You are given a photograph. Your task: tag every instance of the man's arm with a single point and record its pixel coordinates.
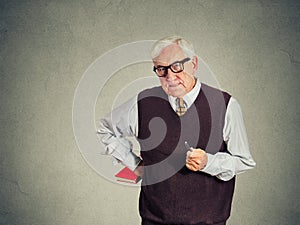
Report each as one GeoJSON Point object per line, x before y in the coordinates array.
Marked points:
{"type": "Point", "coordinates": [223, 165]}
{"type": "Point", "coordinates": [114, 130]}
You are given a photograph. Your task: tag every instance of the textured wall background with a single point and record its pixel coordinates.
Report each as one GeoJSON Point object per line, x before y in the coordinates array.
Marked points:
{"type": "Point", "coordinates": [45, 46]}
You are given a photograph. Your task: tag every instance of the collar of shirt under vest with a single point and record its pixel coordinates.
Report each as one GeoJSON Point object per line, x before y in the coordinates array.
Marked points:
{"type": "Point", "coordinates": [188, 99]}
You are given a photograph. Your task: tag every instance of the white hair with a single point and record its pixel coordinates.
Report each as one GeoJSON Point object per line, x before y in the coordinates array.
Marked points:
{"type": "Point", "coordinates": [184, 44]}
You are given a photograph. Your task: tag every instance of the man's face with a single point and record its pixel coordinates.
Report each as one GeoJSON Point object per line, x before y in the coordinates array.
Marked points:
{"type": "Point", "coordinates": [176, 84]}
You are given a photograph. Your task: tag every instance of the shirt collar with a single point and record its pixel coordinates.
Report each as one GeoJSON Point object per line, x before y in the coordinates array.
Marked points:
{"type": "Point", "coordinates": [188, 98]}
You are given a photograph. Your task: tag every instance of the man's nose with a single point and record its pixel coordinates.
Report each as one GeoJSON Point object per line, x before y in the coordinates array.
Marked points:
{"type": "Point", "coordinates": [170, 74]}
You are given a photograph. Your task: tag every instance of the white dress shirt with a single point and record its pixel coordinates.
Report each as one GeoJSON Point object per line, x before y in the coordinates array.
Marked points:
{"type": "Point", "coordinates": [123, 122]}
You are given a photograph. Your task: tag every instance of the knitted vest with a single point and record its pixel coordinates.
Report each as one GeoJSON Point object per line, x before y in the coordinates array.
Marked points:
{"type": "Point", "coordinates": [171, 193]}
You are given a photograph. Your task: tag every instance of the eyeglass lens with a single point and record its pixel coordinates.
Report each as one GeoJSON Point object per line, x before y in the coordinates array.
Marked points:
{"type": "Point", "coordinates": [175, 67]}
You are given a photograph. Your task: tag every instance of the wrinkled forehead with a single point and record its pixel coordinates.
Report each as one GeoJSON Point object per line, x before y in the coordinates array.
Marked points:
{"type": "Point", "coordinates": [168, 55]}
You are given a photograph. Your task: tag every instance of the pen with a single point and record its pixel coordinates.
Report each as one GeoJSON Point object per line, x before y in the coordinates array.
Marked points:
{"type": "Point", "coordinates": [188, 147]}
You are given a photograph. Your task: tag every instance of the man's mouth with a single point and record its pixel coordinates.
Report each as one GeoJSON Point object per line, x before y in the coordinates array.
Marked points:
{"type": "Point", "coordinates": [173, 85]}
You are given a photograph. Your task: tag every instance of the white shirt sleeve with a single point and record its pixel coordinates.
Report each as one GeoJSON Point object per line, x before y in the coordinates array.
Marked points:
{"type": "Point", "coordinates": [113, 130]}
{"type": "Point", "coordinates": [223, 165]}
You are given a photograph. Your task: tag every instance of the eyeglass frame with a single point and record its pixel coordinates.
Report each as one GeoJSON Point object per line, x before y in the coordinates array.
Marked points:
{"type": "Point", "coordinates": [170, 67]}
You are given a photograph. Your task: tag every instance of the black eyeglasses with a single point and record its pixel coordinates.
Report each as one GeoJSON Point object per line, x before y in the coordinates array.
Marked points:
{"type": "Point", "coordinates": [175, 67]}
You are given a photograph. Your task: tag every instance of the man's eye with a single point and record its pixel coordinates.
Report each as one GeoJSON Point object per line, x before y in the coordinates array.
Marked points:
{"type": "Point", "coordinates": [176, 66]}
{"type": "Point", "coordinates": [160, 69]}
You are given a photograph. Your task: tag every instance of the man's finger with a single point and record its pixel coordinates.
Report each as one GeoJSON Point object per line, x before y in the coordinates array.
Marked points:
{"type": "Point", "coordinates": [192, 167]}
{"type": "Point", "coordinates": [194, 161]}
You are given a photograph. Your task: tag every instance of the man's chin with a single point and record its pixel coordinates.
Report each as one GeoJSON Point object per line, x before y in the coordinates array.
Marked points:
{"type": "Point", "coordinates": [175, 93]}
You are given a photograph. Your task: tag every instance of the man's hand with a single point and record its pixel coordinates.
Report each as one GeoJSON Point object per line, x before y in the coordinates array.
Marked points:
{"type": "Point", "coordinates": [196, 159]}
{"type": "Point", "coordinates": [139, 170]}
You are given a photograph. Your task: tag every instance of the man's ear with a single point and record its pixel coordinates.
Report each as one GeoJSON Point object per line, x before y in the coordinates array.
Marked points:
{"type": "Point", "coordinates": [195, 63]}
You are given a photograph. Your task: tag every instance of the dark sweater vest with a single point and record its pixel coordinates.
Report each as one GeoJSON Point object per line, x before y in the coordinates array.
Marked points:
{"type": "Point", "coordinates": [171, 193]}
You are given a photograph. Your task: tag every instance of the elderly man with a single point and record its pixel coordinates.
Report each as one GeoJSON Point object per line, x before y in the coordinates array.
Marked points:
{"type": "Point", "coordinates": [192, 138]}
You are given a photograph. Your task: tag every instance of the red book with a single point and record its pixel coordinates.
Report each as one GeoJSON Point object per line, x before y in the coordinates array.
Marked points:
{"type": "Point", "coordinates": [126, 175]}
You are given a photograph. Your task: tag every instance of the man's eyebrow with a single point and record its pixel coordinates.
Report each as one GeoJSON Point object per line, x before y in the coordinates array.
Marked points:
{"type": "Point", "coordinates": [160, 66]}
{"type": "Point", "coordinates": [177, 61]}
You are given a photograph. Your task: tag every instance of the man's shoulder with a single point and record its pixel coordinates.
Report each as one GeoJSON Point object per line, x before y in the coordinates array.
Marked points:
{"type": "Point", "coordinates": [212, 88]}
{"type": "Point", "coordinates": [215, 93]}
{"type": "Point", "coordinates": [156, 91]}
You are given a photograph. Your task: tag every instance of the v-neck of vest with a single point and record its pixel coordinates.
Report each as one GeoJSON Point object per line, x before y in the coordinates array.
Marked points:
{"type": "Point", "coordinates": [186, 112]}
{"type": "Point", "coordinates": [188, 109]}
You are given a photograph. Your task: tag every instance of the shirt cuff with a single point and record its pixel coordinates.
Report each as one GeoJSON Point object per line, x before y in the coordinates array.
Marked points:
{"type": "Point", "coordinates": [207, 168]}
{"type": "Point", "coordinates": [131, 161]}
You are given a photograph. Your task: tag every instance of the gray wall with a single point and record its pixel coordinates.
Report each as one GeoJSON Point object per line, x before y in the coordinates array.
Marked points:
{"type": "Point", "coordinates": [45, 46]}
